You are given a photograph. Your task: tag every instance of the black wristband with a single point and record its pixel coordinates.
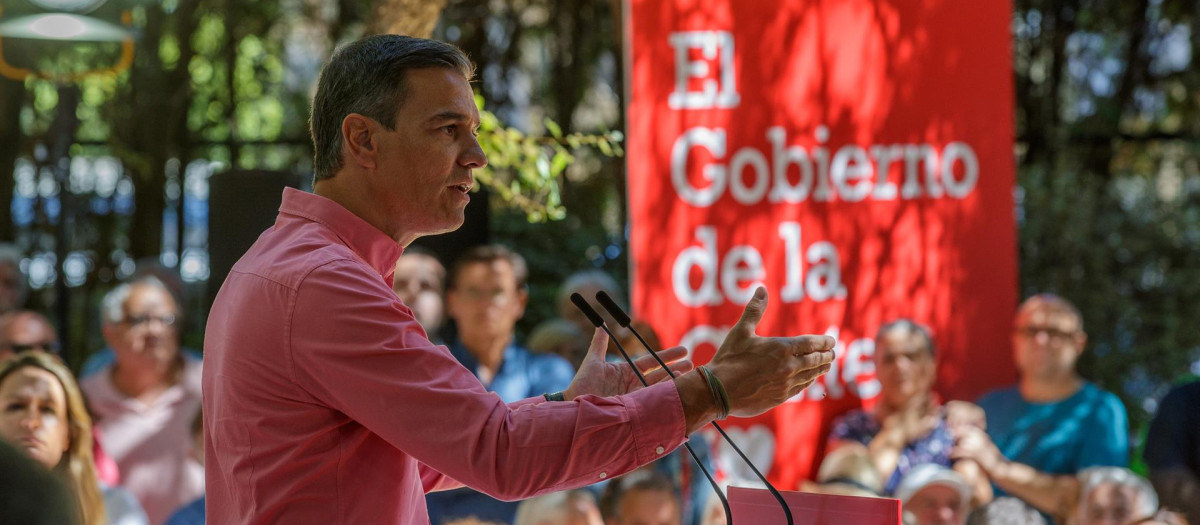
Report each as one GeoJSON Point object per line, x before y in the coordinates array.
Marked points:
{"type": "Point", "coordinates": [557, 396]}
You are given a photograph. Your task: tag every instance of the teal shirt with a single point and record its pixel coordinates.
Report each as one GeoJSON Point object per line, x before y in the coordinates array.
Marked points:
{"type": "Point", "coordinates": [1088, 429]}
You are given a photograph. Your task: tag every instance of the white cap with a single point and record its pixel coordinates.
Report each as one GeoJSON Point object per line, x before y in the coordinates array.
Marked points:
{"type": "Point", "coordinates": [928, 474]}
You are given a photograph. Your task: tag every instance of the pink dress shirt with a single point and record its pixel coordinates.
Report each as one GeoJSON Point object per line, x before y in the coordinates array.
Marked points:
{"type": "Point", "coordinates": [150, 442]}
{"type": "Point", "coordinates": [324, 402]}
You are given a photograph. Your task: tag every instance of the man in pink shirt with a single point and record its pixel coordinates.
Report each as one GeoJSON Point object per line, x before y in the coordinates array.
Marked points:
{"type": "Point", "coordinates": [144, 400]}
{"type": "Point", "coordinates": [325, 402]}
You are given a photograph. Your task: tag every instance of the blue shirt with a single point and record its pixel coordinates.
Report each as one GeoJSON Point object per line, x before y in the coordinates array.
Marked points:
{"type": "Point", "coordinates": [1087, 429]}
{"type": "Point", "coordinates": [522, 374]}
{"type": "Point", "coordinates": [190, 514]}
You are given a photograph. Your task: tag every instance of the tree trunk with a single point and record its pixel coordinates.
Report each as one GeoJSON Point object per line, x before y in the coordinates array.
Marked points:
{"type": "Point", "coordinates": [12, 95]}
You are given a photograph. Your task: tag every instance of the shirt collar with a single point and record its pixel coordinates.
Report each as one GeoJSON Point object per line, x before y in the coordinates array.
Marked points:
{"type": "Point", "coordinates": [375, 247]}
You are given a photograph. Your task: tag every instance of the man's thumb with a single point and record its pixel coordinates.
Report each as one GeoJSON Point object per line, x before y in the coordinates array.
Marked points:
{"type": "Point", "coordinates": [753, 312]}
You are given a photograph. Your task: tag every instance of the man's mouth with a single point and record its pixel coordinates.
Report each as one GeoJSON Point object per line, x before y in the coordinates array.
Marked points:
{"type": "Point", "coordinates": [465, 187]}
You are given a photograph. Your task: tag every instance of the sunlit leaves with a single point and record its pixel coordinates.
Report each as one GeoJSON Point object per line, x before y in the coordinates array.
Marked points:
{"type": "Point", "coordinates": [525, 171]}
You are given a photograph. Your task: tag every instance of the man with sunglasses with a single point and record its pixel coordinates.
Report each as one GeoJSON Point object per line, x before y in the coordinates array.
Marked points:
{"type": "Point", "coordinates": [25, 330]}
{"type": "Point", "coordinates": [1052, 423]}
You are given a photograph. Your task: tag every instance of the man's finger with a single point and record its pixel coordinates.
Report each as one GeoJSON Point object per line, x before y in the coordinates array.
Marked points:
{"type": "Point", "coordinates": [814, 359]}
{"type": "Point", "coordinates": [598, 348]}
{"type": "Point", "coordinates": [647, 362]}
{"type": "Point", "coordinates": [753, 312]}
{"type": "Point", "coordinates": [678, 368]}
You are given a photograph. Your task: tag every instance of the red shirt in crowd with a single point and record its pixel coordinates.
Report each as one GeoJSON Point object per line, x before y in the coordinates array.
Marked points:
{"type": "Point", "coordinates": [324, 401]}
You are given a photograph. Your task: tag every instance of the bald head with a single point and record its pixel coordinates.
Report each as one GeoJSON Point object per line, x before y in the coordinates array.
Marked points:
{"type": "Point", "coordinates": [1049, 304]}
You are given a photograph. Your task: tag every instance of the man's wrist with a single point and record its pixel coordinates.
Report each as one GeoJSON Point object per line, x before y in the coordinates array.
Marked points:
{"type": "Point", "coordinates": [556, 396]}
{"type": "Point", "coordinates": [699, 406]}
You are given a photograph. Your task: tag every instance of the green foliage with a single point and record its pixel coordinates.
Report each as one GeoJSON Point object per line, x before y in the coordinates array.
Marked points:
{"type": "Point", "coordinates": [524, 171]}
{"type": "Point", "coordinates": [1109, 184]}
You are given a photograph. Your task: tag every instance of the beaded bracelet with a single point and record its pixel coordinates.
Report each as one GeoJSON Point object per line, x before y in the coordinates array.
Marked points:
{"type": "Point", "coordinates": [717, 390]}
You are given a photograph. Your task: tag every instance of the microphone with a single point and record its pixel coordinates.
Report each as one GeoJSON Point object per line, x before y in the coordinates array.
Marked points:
{"type": "Point", "coordinates": [622, 319]}
{"type": "Point", "coordinates": [598, 322]}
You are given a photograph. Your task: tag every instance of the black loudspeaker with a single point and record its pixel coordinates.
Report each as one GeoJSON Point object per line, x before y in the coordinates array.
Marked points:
{"type": "Point", "coordinates": [242, 205]}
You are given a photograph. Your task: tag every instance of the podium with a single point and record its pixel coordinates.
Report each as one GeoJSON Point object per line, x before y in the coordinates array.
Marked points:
{"type": "Point", "coordinates": [758, 507]}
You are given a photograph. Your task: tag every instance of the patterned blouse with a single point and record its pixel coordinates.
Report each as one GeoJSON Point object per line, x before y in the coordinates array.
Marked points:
{"type": "Point", "coordinates": [935, 447]}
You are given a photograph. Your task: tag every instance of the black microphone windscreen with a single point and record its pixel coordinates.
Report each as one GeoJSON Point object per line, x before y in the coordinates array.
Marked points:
{"type": "Point", "coordinates": [587, 310]}
{"type": "Point", "coordinates": [618, 314]}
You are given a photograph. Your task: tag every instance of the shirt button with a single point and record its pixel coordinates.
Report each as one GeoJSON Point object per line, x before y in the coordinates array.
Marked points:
{"type": "Point", "coordinates": [603, 475]}
{"type": "Point", "coordinates": [658, 450]}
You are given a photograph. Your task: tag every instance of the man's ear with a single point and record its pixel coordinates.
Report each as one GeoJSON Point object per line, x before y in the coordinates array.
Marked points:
{"type": "Point", "coordinates": [360, 140]}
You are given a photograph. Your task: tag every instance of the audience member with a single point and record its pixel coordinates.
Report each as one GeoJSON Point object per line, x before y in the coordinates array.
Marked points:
{"type": "Point", "coordinates": [13, 288]}
{"type": "Point", "coordinates": [420, 282]}
{"type": "Point", "coordinates": [193, 513]}
{"type": "Point", "coordinates": [568, 507]}
{"type": "Point", "coordinates": [486, 298]}
{"type": "Point", "coordinates": [45, 415]}
{"type": "Point", "coordinates": [147, 269]}
{"type": "Point", "coordinates": [1163, 517]}
{"type": "Point", "coordinates": [1112, 496]}
{"type": "Point", "coordinates": [559, 337]}
{"type": "Point", "coordinates": [587, 283]}
{"type": "Point", "coordinates": [641, 497]}
{"type": "Point", "coordinates": [1172, 450]}
{"type": "Point", "coordinates": [1005, 510]}
{"type": "Point", "coordinates": [24, 330]}
{"type": "Point", "coordinates": [648, 333]}
{"type": "Point", "coordinates": [29, 494]}
{"type": "Point", "coordinates": [679, 468]}
{"type": "Point", "coordinates": [934, 495]}
{"type": "Point", "coordinates": [145, 400]}
{"type": "Point", "coordinates": [906, 428]}
{"type": "Point", "coordinates": [1052, 424]}
{"type": "Point", "coordinates": [847, 471]}
{"type": "Point", "coordinates": [471, 521]}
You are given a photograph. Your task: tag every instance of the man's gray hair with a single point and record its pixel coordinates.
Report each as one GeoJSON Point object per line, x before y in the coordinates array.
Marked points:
{"type": "Point", "coordinates": [112, 307]}
{"type": "Point", "coordinates": [1005, 510]}
{"type": "Point", "coordinates": [910, 328]}
{"type": "Point", "coordinates": [1093, 477]}
{"type": "Point", "coordinates": [368, 77]}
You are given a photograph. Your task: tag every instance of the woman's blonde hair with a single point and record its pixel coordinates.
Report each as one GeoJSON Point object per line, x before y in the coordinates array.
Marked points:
{"type": "Point", "coordinates": [77, 466]}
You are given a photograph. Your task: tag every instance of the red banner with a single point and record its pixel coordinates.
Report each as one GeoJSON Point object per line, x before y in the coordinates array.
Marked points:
{"type": "Point", "coordinates": [854, 157]}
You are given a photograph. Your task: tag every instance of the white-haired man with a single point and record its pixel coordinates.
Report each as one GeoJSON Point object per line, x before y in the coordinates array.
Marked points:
{"type": "Point", "coordinates": [145, 399]}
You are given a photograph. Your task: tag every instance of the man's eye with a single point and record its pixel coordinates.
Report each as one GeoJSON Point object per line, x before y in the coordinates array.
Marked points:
{"type": "Point", "coordinates": [451, 129]}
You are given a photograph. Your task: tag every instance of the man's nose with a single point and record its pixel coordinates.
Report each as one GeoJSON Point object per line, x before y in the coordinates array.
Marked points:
{"type": "Point", "coordinates": [474, 158]}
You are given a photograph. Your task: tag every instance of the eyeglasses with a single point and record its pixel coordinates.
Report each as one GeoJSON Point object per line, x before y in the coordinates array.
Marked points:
{"type": "Point", "coordinates": [51, 348]}
{"type": "Point", "coordinates": [1054, 334]}
{"type": "Point", "coordinates": [140, 321]}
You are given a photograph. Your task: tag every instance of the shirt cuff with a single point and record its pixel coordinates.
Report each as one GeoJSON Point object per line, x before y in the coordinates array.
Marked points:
{"type": "Point", "coordinates": [657, 420]}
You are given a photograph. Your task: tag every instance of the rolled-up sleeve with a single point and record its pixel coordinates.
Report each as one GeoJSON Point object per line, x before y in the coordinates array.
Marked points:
{"type": "Point", "coordinates": [357, 350]}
